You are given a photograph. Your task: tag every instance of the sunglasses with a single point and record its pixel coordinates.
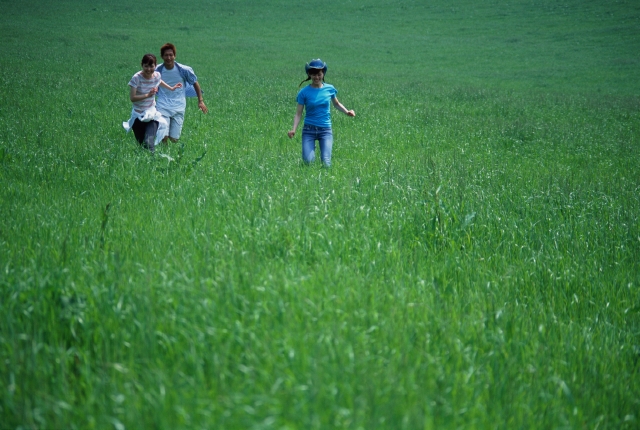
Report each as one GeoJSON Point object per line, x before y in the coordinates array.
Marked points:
{"type": "Point", "coordinates": [314, 71]}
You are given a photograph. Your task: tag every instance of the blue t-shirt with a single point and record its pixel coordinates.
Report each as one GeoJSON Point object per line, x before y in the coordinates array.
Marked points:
{"type": "Point", "coordinates": [171, 100]}
{"type": "Point", "coordinates": [316, 102]}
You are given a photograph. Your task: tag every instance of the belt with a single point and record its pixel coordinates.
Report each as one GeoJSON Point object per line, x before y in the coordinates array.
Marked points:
{"type": "Point", "coordinates": [313, 127]}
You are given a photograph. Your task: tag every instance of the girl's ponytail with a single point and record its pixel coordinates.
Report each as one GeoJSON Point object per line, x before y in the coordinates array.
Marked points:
{"type": "Point", "coordinates": [308, 79]}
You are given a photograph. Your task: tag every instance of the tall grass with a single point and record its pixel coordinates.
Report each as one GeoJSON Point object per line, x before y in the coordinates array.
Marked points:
{"type": "Point", "coordinates": [469, 261]}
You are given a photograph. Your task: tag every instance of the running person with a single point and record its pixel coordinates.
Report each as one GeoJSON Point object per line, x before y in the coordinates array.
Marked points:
{"type": "Point", "coordinates": [172, 105]}
{"type": "Point", "coordinates": [315, 98]}
{"type": "Point", "coordinates": [147, 124]}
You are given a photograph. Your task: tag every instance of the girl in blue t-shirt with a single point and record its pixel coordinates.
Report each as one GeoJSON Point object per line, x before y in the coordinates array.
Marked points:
{"type": "Point", "coordinates": [315, 97]}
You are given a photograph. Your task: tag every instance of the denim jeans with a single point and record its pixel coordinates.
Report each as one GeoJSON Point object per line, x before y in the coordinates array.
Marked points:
{"type": "Point", "coordinates": [324, 136]}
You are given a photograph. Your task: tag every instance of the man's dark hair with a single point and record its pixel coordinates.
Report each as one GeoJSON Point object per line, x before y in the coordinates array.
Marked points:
{"type": "Point", "coordinates": [168, 46]}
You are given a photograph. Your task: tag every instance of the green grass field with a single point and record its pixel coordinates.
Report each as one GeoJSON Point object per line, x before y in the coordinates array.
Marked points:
{"type": "Point", "coordinates": [471, 260]}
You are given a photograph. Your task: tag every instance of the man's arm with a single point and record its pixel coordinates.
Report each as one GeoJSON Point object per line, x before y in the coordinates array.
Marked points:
{"type": "Point", "coordinates": [201, 105]}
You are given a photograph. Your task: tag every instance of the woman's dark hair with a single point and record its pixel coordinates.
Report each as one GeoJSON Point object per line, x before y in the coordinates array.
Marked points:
{"type": "Point", "coordinates": [309, 78]}
{"type": "Point", "coordinates": [149, 59]}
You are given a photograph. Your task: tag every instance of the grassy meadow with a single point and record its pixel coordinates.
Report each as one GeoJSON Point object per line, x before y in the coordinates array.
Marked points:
{"type": "Point", "coordinates": [471, 259]}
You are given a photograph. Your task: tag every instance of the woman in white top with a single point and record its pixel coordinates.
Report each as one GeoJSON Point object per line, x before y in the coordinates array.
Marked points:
{"type": "Point", "coordinates": [145, 120]}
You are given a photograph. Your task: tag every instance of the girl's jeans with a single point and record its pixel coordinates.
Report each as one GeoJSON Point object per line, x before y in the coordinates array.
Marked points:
{"type": "Point", "coordinates": [324, 136]}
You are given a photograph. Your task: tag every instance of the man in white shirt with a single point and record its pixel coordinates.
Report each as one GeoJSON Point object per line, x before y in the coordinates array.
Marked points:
{"type": "Point", "coordinates": [172, 104]}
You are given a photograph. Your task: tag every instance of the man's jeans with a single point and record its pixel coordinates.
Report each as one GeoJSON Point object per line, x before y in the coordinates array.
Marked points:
{"type": "Point", "coordinates": [324, 136]}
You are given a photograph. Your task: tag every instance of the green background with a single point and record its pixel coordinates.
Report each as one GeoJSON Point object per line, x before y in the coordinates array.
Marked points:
{"type": "Point", "coordinates": [469, 261]}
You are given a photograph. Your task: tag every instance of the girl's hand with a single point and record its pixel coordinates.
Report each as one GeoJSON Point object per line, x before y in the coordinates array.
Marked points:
{"type": "Point", "coordinates": [176, 86]}
{"type": "Point", "coordinates": [351, 112]}
{"type": "Point", "coordinates": [153, 92]}
{"type": "Point", "coordinates": [291, 133]}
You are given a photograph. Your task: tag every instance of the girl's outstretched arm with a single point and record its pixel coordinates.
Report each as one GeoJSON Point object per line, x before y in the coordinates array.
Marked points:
{"type": "Point", "coordinates": [173, 88]}
{"type": "Point", "coordinates": [341, 108]}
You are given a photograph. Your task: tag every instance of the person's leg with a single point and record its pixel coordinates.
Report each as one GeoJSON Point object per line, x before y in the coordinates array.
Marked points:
{"type": "Point", "coordinates": [150, 135]}
{"type": "Point", "coordinates": [308, 146]}
{"type": "Point", "coordinates": [139, 128]}
{"type": "Point", "coordinates": [175, 126]}
{"type": "Point", "coordinates": [325, 138]}
{"type": "Point", "coordinates": [163, 130]}
{"type": "Point", "coordinates": [167, 114]}
{"type": "Point", "coordinates": [167, 120]}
